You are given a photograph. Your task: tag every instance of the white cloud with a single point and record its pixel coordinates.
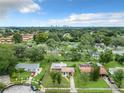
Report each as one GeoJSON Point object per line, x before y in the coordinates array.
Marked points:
{"type": "Point", "coordinates": [91, 19]}
{"type": "Point", "coordinates": [23, 6]}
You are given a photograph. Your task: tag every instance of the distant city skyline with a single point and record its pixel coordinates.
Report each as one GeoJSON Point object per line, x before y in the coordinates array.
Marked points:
{"type": "Point", "coordinates": [78, 13]}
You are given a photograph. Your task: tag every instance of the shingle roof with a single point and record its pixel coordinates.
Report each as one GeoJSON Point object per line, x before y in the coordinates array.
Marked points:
{"type": "Point", "coordinates": [58, 65]}
{"type": "Point", "coordinates": [27, 66]}
{"type": "Point", "coordinates": [68, 69]}
{"type": "Point", "coordinates": [88, 68]}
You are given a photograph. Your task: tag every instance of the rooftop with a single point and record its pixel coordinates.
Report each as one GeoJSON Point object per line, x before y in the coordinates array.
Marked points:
{"type": "Point", "coordinates": [58, 65]}
{"type": "Point", "coordinates": [28, 66]}
{"type": "Point", "coordinates": [68, 69]}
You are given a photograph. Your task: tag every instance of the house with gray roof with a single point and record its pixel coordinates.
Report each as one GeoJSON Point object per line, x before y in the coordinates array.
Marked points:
{"type": "Point", "coordinates": [58, 66]}
{"type": "Point", "coordinates": [28, 67]}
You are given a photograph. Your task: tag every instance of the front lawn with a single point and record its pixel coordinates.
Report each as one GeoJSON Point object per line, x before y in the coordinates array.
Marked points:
{"type": "Point", "coordinates": [86, 83]}
{"type": "Point", "coordinates": [91, 84]}
{"type": "Point", "coordinates": [47, 81]}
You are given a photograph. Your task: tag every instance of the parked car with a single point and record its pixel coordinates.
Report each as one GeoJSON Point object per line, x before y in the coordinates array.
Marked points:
{"type": "Point", "coordinates": [32, 74]}
{"type": "Point", "coordinates": [34, 88]}
{"type": "Point", "coordinates": [110, 80]}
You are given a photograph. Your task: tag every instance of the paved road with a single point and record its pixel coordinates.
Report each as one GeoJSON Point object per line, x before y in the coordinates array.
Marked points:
{"type": "Point", "coordinates": [112, 86]}
{"type": "Point", "coordinates": [72, 85]}
{"type": "Point", "coordinates": [19, 89]}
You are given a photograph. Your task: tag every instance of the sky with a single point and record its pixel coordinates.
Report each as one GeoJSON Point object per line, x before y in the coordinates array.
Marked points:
{"type": "Point", "coordinates": [80, 13]}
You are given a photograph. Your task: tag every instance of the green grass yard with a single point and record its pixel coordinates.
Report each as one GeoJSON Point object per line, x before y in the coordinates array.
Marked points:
{"type": "Point", "coordinates": [47, 82]}
{"type": "Point", "coordinates": [80, 83]}
{"type": "Point", "coordinates": [91, 84]}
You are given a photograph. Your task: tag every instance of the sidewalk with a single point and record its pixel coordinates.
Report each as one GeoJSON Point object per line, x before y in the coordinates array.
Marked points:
{"type": "Point", "coordinates": [112, 86]}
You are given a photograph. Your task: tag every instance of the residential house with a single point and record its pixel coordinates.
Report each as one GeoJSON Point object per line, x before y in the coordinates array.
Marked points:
{"type": "Point", "coordinates": [27, 37]}
{"type": "Point", "coordinates": [100, 45]}
{"type": "Point", "coordinates": [58, 66]}
{"type": "Point", "coordinates": [6, 40]}
{"type": "Point", "coordinates": [113, 70]}
{"type": "Point", "coordinates": [119, 52]}
{"type": "Point", "coordinates": [87, 68]}
{"type": "Point", "coordinates": [67, 71]}
{"type": "Point", "coordinates": [28, 67]}
{"type": "Point", "coordinates": [62, 67]}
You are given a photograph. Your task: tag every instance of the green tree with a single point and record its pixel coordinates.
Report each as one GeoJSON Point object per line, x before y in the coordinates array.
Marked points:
{"type": "Point", "coordinates": [67, 37]}
{"type": "Point", "coordinates": [53, 35]}
{"type": "Point", "coordinates": [53, 76]}
{"type": "Point", "coordinates": [41, 37]}
{"type": "Point", "coordinates": [20, 50]}
{"type": "Point", "coordinates": [107, 40]}
{"type": "Point", "coordinates": [73, 56]}
{"type": "Point", "coordinates": [51, 43]}
{"type": "Point", "coordinates": [119, 58]}
{"type": "Point", "coordinates": [59, 77]}
{"type": "Point", "coordinates": [118, 77]}
{"type": "Point", "coordinates": [35, 53]}
{"type": "Point", "coordinates": [7, 60]}
{"type": "Point", "coordinates": [94, 75]}
{"type": "Point", "coordinates": [17, 38]}
{"type": "Point", "coordinates": [86, 42]}
{"type": "Point", "coordinates": [56, 77]}
{"type": "Point", "coordinates": [106, 56]}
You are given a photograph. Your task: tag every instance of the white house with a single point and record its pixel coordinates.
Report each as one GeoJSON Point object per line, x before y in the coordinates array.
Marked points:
{"type": "Point", "coordinates": [58, 66]}
{"type": "Point", "coordinates": [28, 67]}
{"type": "Point", "coordinates": [67, 71]}
{"type": "Point", "coordinates": [113, 70]}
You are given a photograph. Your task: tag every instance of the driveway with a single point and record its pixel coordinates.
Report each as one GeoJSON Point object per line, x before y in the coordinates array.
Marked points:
{"type": "Point", "coordinates": [112, 86]}
{"type": "Point", "coordinates": [72, 85]}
